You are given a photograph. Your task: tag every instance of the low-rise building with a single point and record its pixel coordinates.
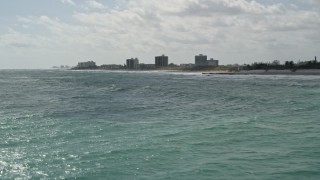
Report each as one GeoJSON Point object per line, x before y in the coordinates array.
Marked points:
{"type": "Point", "coordinates": [147, 66]}
{"type": "Point", "coordinates": [213, 62]}
{"type": "Point", "coordinates": [112, 66]}
{"type": "Point", "coordinates": [187, 66]}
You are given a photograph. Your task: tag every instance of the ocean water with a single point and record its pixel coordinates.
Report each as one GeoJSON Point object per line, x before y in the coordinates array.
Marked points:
{"type": "Point", "coordinates": [143, 125]}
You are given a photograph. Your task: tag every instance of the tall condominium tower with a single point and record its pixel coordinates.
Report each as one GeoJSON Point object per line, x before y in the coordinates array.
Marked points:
{"type": "Point", "coordinates": [161, 61]}
{"type": "Point", "coordinates": [201, 60]}
{"type": "Point", "coordinates": [133, 63]}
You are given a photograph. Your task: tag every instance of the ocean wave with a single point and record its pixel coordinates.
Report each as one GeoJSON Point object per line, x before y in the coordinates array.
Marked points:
{"type": "Point", "coordinates": [149, 125]}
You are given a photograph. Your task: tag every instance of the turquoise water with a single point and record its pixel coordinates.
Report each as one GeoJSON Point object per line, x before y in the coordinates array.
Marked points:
{"type": "Point", "coordinates": [126, 125]}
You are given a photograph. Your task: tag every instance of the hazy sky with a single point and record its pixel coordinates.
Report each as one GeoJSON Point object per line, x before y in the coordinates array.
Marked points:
{"type": "Point", "coordinates": [44, 33]}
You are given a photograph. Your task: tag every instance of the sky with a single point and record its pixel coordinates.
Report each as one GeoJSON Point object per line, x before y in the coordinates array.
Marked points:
{"type": "Point", "coordinates": [44, 33]}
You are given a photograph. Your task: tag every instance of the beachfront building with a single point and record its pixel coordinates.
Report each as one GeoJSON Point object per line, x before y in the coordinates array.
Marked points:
{"type": "Point", "coordinates": [111, 66]}
{"type": "Point", "coordinates": [133, 63]}
{"type": "Point", "coordinates": [146, 66]}
{"type": "Point", "coordinates": [187, 66]}
{"type": "Point", "coordinates": [86, 65]}
{"type": "Point", "coordinates": [201, 60]}
{"type": "Point", "coordinates": [213, 62]}
{"type": "Point", "coordinates": [161, 61]}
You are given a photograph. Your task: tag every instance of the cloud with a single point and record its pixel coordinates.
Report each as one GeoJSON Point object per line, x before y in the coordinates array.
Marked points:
{"type": "Point", "coordinates": [229, 7]}
{"type": "Point", "coordinates": [94, 5]}
{"type": "Point", "coordinates": [71, 2]}
{"type": "Point", "coordinates": [228, 29]}
{"type": "Point", "coordinates": [15, 39]}
{"type": "Point", "coordinates": [60, 32]}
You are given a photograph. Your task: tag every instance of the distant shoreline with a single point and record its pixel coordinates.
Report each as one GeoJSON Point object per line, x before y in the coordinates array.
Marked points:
{"type": "Point", "coordinates": [267, 72]}
{"type": "Point", "coordinates": [224, 72]}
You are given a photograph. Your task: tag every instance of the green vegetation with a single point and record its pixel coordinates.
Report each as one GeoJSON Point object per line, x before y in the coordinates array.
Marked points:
{"type": "Point", "coordinates": [312, 64]}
